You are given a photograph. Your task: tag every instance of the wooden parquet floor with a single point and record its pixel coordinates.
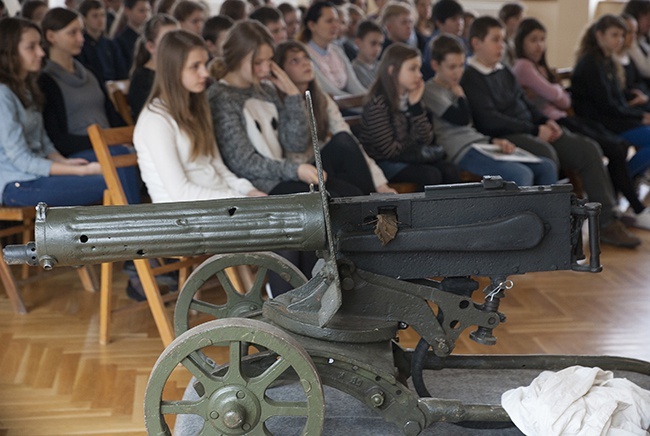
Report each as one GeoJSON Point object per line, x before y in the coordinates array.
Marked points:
{"type": "Point", "coordinates": [55, 378]}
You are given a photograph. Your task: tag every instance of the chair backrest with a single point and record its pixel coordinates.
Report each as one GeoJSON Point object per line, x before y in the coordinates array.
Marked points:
{"type": "Point", "coordinates": [102, 140]}
{"type": "Point", "coordinates": [117, 91]}
{"type": "Point", "coordinates": [349, 101]}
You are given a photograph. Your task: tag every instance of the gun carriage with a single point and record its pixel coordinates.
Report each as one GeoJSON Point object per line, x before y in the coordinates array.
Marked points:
{"type": "Point", "coordinates": [388, 262]}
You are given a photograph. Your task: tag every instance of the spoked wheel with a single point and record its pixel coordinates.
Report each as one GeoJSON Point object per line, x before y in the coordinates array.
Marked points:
{"type": "Point", "coordinates": [237, 304]}
{"type": "Point", "coordinates": [238, 398]}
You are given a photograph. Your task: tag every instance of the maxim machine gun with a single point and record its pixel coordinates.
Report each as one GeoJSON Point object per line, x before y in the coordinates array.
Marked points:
{"type": "Point", "coordinates": [380, 254]}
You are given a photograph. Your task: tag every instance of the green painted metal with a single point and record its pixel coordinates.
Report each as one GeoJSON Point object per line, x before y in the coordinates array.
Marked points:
{"type": "Point", "coordinates": [234, 401]}
{"type": "Point", "coordinates": [96, 234]}
{"type": "Point", "coordinates": [237, 304]}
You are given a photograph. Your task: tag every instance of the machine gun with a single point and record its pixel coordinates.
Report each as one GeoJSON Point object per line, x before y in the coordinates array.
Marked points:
{"type": "Point", "coordinates": [389, 261]}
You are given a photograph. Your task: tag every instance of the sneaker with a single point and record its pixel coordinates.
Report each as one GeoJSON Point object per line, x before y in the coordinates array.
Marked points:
{"type": "Point", "coordinates": [642, 220]}
{"type": "Point", "coordinates": [616, 234]}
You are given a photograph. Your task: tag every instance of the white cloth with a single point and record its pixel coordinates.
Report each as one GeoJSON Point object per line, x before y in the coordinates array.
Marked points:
{"type": "Point", "coordinates": [579, 401]}
{"type": "Point", "coordinates": [167, 170]}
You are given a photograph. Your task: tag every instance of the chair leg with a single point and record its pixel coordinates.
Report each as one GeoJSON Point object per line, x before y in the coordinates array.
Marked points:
{"type": "Point", "coordinates": [155, 301]}
{"type": "Point", "coordinates": [246, 276]}
{"type": "Point", "coordinates": [88, 278]}
{"type": "Point", "coordinates": [105, 303]}
{"type": "Point", "coordinates": [236, 281]}
{"type": "Point", "coordinates": [11, 288]}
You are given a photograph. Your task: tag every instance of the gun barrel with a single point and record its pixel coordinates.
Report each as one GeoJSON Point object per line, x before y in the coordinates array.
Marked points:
{"type": "Point", "coordinates": [84, 235]}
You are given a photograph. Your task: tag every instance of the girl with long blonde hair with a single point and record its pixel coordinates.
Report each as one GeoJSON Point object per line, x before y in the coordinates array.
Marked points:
{"type": "Point", "coordinates": [177, 154]}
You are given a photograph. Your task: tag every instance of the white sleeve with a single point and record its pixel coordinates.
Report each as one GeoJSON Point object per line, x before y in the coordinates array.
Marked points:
{"type": "Point", "coordinates": [334, 118]}
{"type": "Point", "coordinates": [157, 141]}
{"type": "Point", "coordinates": [238, 184]}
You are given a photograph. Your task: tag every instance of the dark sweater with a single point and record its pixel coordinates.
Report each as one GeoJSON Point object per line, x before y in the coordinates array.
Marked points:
{"type": "Point", "coordinates": [56, 121]}
{"type": "Point", "coordinates": [597, 95]}
{"type": "Point", "coordinates": [126, 40]}
{"type": "Point", "coordinates": [498, 104]}
{"type": "Point", "coordinates": [103, 56]}
{"type": "Point", "coordinates": [139, 89]}
{"type": "Point", "coordinates": [396, 136]}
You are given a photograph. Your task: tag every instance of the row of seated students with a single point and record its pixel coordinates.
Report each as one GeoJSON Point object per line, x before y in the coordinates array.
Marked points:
{"type": "Point", "coordinates": [258, 118]}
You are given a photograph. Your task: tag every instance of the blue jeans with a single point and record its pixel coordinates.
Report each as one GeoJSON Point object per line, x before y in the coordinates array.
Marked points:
{"type": "Point", "coordinates": [71, 190]}
{"type": "Point", "coordinates": [55, 191]}
{"type": "Point", "coordinates": [640, 137]}
{"type": "Point", "coordinates": [129, 176]}
{"type": "Point", "coordinates": [523, 174]}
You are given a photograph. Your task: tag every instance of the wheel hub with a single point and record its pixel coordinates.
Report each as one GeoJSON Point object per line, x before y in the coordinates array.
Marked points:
{"type": "Point", "coordinates": [234, 410]}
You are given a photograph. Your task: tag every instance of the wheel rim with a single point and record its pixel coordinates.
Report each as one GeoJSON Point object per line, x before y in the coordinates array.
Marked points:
{"type": "Point", "coordinates": [237, 304]}
{"type": "Point", "coordinates": [234, 402]}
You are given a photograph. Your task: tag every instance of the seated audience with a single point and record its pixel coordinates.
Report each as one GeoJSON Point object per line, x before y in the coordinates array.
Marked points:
{"type": "Point", "coordinates": [448, 20]}
{"type": "Point", "coordinates": [355, 16]}
{"type": "Point", "coordinates": [468, 19]}
{"type": "Point", "coordinates": [214, 33]}
{"type": "Point", "coordinates": [395, 128]}
{"type": "Point", "coordinates": [144, 64]}
{"type": "Point", "coordinates": [99, 53]}
{"type": "Point", "coordinates": [291, 17]}
{"type": "Point", "coordinates": [135, 14]}
{"type": "Point", "coordinates": [379, 4]}
{"type": "Point", "coordinates": [597, 93]}
{"type": "Point", "coordinates": [640, 49]}
{"type": "Point", "coordinates": [343, 156]}
{"type": "Point", "coordinates": [538, 81]}
{"type": "Point", "coordinates": [74, 96]}
{"type": "Point", "coordinates": [34, 10]}
{"type": "Point", "coordinates": [257, 130]}
{"type": "Point", "coordinates": [177, 154]}
{"type": "Point", "coordinates": [363, 5]}
{"type": "Point", "coordinates": [334, 71]}
{"type": "Point", "coordinates": [31, 170]}
{"type": "Point", "coordinates": [452, 123]}
{"type": "Point", "coordinates": [191, 15]}
{"type": "Point", "coordinates": [236, 9]}
{"type": "Point", "coordinates": [424, 24]}
{"type": "Point", "coordinates": [499, 109]}
{"type": "Point", "coordinates": [263, 137]}
{"type": "Point", "coordinates": [272, 19]}
{"type": "Point", "coordinates": [510, 15]}
{"type": "Point", "coordinates": [370, 41]}
{"type": "Point", "coordinates": [397, 19]}
{"type": "Point", "coordinates": [634, 86]}
{"type": "Point", "coordinates": [164, 6]}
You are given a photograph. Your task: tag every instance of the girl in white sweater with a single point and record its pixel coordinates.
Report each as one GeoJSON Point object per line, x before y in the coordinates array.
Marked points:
{"type": "Point", "coordinates": [177, 152]}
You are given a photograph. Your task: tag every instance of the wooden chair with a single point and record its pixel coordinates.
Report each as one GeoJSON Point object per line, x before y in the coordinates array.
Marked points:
{"type": "Point", "coordinates": [117, 91]}
{"type": "Point", "coordinates": [21, 225]}
{"type": "Point", "coordinates": [102, 140]}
